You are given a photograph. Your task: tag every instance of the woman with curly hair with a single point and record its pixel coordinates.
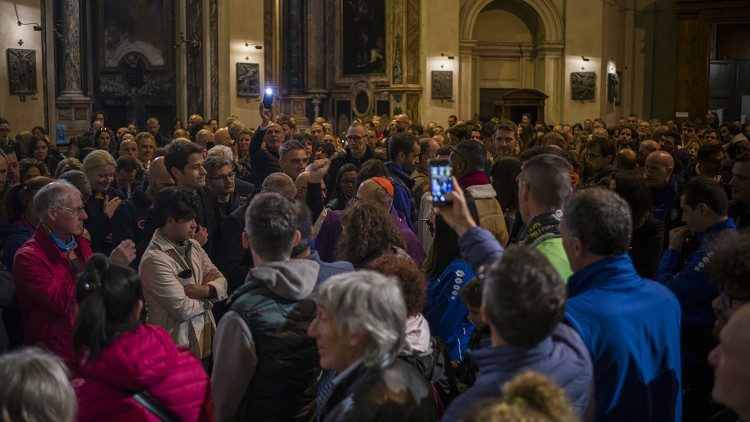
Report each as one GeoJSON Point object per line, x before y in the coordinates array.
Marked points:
{"type": "Point", "coordinates": [368, 233]}
{"type": "Point", "coordinates": [530, 396]}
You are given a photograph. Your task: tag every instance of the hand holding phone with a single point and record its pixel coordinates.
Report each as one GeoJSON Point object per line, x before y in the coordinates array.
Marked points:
{"type": "Point", "coordinates": [441, 182]}
{"type": "Point", "coordinates": [268, 98]}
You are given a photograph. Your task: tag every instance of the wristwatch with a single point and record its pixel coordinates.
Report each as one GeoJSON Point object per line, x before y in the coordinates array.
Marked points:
{"type": "Point", "coordinates": [212, 294]}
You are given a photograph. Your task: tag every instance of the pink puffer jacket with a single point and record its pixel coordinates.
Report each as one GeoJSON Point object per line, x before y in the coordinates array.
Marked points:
{"type": "Point", "coordinates": [143, 359]}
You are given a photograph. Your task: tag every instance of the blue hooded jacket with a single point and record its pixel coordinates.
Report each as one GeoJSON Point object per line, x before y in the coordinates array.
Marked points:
{"type": "Point", "coordinates": [562, 356]}
{"type": "Point", "coordinates": [446, 312]}
{"type": "Point", "coordinates": [631, 327]}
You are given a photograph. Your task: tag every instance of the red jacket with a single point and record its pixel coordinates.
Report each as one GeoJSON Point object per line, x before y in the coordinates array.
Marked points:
{"type": "Point", "coordinates": [46, 288]}
{"type": "Point", "coordinates": [143, 359]}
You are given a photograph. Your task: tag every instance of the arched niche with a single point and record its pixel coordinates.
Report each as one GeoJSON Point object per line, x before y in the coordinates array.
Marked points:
{"type": "Point", "coordinates": [510, 44]}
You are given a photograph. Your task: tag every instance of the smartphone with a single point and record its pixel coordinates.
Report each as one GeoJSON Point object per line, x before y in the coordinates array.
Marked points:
{"type": "Point", "coordinates": [441, 182]}
{"type": "Point", "coordinates": [268, 98]}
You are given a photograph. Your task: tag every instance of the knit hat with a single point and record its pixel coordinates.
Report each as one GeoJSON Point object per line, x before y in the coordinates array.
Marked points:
{"type": "Point", "coordinates": [385, 184]}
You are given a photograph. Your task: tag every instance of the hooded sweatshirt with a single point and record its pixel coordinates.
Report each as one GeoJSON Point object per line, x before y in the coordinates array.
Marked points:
{"type": "Point", "coordinates": [268, 289]}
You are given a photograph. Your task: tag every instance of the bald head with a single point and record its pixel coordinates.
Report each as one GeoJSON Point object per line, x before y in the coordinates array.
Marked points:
{"type": "Point", "coordinates": [658, 169]}
{"type": "Point", "coordinates": [370, 190]}
{"type": "Point", "coordinates": [600, 132]}
{"type": "Point", "coordinates": [279, 183]}
{"type": "Point", "coordinates": [158, 177]}
{"type": "Point", "coordinates": [222, 137]}
{"type": "Point", "coordinates": [626, 159]}
{"type": "Point", "coordinates": [203, 137]}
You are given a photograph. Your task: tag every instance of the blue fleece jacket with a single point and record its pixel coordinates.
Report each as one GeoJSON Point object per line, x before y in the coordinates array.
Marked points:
{"type": "Point", "coordinates": [562, 356]}
{"type": "Point", "coordinates": [689, 282]}
{"type": "Point", "coordinates": [402, 196]}
{"type": "Point", "coordinates": [631, 327]}
{"type": "Point", "coordinates": [446, 312]}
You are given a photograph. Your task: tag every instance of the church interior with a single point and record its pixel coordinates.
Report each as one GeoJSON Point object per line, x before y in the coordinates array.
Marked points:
{"type": "Point", "coordinates": [562, 61]}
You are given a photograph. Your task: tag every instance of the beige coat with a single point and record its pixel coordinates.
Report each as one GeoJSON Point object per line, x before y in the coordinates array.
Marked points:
{"type": "Point", "coordinates": [166, 302]}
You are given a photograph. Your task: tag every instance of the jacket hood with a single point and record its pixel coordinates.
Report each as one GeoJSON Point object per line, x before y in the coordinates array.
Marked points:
{"type": "Point", "coordinates": [292, 280]}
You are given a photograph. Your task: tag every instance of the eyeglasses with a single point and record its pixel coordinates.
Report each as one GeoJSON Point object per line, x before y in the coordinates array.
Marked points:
{"type": "Point", "coordinates": [74, 211]}
{"type": "Point", "coordinates": [4, 129]}
{"type": "Point", "coordinates": [355, 139]}
{"type": "Point", "coordinates": [224, 177]}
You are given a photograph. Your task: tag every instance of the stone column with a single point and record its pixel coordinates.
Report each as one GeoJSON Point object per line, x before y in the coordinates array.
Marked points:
{"type": "Point", "coordinates": [551, 57]}
{"type": "Point", "coordinates": [71, 42]}
{"type": "Point", "coordinates": [73, 107]}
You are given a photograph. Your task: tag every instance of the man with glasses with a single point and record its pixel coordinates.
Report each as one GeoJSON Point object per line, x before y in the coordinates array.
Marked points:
{"type": "Point", "coordinates": [220, 176]}
{"type": "Point", "coordinates": [600, 153]}
{"type": "Point", "coordinates": [729, 271]}
{"type": "Point", "coordinates": [46, 268]}
{"type": "Point", "coordinates": [357, 149]}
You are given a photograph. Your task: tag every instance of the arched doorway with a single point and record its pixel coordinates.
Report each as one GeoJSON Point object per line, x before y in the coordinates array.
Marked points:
{"type": "Point", "coordinates": [510, 44]}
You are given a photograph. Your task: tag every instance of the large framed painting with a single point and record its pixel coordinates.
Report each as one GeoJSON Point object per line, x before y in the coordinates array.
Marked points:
{"type": "Point", "coordinates": [137, 26]}
{"type": "Point", "coordinates": [363, 40]}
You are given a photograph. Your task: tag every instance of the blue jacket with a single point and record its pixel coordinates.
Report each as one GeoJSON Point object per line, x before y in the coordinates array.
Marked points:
{"type": "Point", "coordinates": [479, 247]}
{"type": "Point", "coordinates": [562, 356]}
{"type": "Point", "coordinates": [402, 197]}
{"type": "Point", "coordinates": [329, 269]}
{"type": "Point", "coordinates": [446, 312]}
{"type": "Point", "coordinates": [667, 203]}
{"type": "Point", "coordinates": [631, 327]}
{"type": "Point", "coordinates": [689, 282]}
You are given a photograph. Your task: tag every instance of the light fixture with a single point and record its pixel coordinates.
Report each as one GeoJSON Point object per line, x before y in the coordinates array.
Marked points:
{"type": "Point", "coordinates": [448, 56]}
{"type": "Point", "coordinates": [257, 46]}
{"type": "Point", "coordinates": [584, 58]}
{"type": "Point", "coordinates": [36, 26]}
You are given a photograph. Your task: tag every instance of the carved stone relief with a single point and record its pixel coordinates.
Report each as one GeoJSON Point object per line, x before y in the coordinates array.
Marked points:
{"type": "Point", "coordinates": [442, 84]}
{"type": "Point", "coordinates": [583, 86]}
{"type": "Point", "coordinates": [21, 71]}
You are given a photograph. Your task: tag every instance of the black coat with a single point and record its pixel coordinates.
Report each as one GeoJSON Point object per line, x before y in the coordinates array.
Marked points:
{"type": "Point", "coordinates": [395, 392]}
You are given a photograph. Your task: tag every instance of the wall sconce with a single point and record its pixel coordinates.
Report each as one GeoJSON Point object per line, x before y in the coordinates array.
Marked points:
{"type": "Point", "coordinates": [36, 26]}
{"type": "Point", "coordinates": [449, 57]}
{"type": "Point", "coordinates": [193, 44]}
{"type": "Point", "coordinates": [257, 46]}
{"type": "Point", "coordinates": [584, 58]}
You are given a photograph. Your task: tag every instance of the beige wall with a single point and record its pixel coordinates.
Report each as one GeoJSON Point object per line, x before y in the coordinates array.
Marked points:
{"type": "Point", "coordinates": [439, 35]}
{"type": "Point", "coordinates": [583, 40]}
{"type": "Point", "coordinates": [22, 115]}
{"type": "Point", "coordinates": [239, 22]}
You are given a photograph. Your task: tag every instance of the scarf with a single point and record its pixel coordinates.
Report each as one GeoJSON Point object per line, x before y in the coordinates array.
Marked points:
{"type": "Point", "coordinates": [543, 224]}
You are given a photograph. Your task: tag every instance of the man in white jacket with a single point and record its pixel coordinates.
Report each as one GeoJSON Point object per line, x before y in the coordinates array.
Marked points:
{"type": "Point", "coordinates": [180, 283]}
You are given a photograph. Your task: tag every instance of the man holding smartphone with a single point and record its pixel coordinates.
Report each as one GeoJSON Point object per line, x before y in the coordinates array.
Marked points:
{"type": "Point", "coordinates": [264, 147]}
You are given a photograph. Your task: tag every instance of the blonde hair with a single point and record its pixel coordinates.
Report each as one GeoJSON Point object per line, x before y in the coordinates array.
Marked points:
{"type": "Point", "coordinates": [529, 397]}
{"type": "Point", "coordinates": [98, 158]}
{"type": "Point", "coordinates": [35, 387]}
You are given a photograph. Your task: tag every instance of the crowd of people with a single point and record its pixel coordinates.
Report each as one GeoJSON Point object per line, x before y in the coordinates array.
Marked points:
{"type": "Point", "coordinates": [198, 272]}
